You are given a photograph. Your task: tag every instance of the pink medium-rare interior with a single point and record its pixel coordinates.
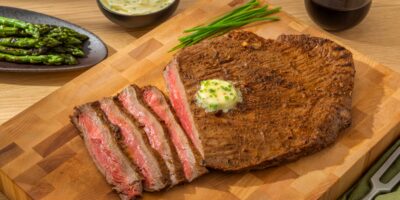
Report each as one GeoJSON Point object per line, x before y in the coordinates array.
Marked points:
{"type": "Point", "coordinates": [134, 144]}
{"type": "Point", "coordinates": [157, 102]}
{"type": "Point", "coordinates": [107, 159]}
{"type": "Point", "coordinates": [152, 127]}
{"type": "Point", "coordinates": [179, 101]}
{"type": "Point", "coordinates": [143, 116]}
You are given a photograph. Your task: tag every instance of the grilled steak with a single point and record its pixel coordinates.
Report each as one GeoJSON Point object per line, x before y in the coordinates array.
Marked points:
{"type": "Point", "coordinates": [189, 156]}
{"type": "Point", "coordinates": [296, 97]}
{"type": "Point", "coordinates": [109, 159]}
{"type": "Point", "coordinates": [137, 147]}
{"type": "Point", "coordinates": [131, 99]}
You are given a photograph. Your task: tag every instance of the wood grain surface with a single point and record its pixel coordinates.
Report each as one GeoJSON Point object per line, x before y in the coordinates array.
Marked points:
{"type": "Point", "coordinates": [41, 156]}
{"type": "Point", "coordinates": [44, 165]}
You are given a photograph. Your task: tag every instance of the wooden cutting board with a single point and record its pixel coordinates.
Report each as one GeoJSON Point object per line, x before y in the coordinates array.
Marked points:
{"type": "Point", "coordinates": [41, 156]}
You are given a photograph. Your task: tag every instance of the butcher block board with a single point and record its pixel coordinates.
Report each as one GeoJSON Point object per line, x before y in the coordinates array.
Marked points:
{"type": "Point", "coordinates": [42, 156]}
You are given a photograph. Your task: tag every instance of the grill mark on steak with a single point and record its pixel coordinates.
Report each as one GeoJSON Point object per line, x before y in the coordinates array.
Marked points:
{"type": "Point", "coordinates": [296, 97]}
{"type": "Point", "coordinates": [131, 100]}
{"type": "Point", "coordinates": [108, 158]}
{"type": "Point", "coordinates": [190, 158]}
{"type": "Point", "coordinates": [136, 146]}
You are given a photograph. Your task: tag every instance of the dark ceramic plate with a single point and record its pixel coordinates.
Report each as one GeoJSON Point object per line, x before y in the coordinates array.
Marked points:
{"type": "Point", "coordinates": [94, 48]}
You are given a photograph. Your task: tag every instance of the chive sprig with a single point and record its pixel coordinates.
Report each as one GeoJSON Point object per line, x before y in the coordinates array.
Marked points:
{"type": "Point", "coordinates": [243, 15]}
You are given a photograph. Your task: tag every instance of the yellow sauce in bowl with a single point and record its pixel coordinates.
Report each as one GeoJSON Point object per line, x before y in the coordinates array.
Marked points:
{"type": "Point", "coordinates": [136, 7]}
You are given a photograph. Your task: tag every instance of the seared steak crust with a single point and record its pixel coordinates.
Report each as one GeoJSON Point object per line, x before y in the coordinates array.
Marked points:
{"type": "Point", "coordinates": [296, 97]}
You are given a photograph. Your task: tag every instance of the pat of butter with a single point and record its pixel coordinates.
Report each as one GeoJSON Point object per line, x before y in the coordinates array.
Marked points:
{"type": "Point", "coordinates": [214, 95]}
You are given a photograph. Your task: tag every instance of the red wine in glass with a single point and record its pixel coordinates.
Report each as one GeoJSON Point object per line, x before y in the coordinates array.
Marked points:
{"type": "Point", "coordinates": [337, 15]}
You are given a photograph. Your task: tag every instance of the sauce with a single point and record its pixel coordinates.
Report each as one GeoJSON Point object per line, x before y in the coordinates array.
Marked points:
{"type": "Point", "coordinates": [136, 7]}
{"type": "Point", "coordinates": [215, 95]}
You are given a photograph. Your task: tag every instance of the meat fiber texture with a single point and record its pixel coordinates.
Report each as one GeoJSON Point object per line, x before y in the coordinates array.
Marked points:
{"type": "Point", "coordinates": [190, 158]}
{"type": "Point", "coordinates": [109, 159]}
{"type": "Point", "coordinates": [131, 100]}
{"type": "Point", "coordinates": [137, 143]}
{"type": "Point", "coordinates": [296, 97]}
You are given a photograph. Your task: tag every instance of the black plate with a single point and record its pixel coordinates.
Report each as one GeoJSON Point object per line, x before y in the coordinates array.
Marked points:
{"type": "Point", "coordinates": [94, 48]}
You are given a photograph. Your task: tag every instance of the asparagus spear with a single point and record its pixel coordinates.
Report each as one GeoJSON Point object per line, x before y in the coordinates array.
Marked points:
{"type": "Point", "coordinates": [40, 59]}
{"type": "Point", "coordinates": [69, 59]}
{"type": "Point", "coordinates": [64, 38]}
{"type": "Point", "coordinates": [29, 42]}
{"type": "Point", "coordinates": [18, 42]}
{"type": "Point", "coordinates": [76, 51]}
{"type": "Point", "coordinates": [13, 31]}
{"type": "Point", "coordinates": [44, 28]}
{"type": "Point", "coordinates": [22, 52]}
{"type": "Point", "coordinates": [69, 32]}
{"type": "Point", "coordinates": [28, 27]}
{"type": "Point", "coordinates": [47, 42]}
{"type": "Point", "coordinates": [6, 31]}
{"type": "Point", "coordinates": [71, 41]}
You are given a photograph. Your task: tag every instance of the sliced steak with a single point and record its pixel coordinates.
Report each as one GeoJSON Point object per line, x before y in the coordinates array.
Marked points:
{"type": "Point", "coordinates": [296, 97]}
{"type": "Point", "coordinates": [109, 159]}
{"type": "Point", "coordinates": [180, 101]}
{"type": "Point", "coordinates": [189, 156]}
{"type": "Point", "coordinates": [135, 144]}
{"type": "Point", "coordinates": [131, 99]}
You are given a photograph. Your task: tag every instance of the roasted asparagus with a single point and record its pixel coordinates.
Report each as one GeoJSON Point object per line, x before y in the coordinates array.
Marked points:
{"type": "Point", "coordinates": [24, 42]}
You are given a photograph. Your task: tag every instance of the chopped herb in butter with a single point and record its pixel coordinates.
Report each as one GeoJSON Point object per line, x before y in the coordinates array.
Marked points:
{"type": "Point", "coordinates": [215, 95]}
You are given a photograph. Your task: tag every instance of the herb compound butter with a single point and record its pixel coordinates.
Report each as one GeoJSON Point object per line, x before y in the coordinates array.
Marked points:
{"type": "Point", "coordinates": [214, 95]}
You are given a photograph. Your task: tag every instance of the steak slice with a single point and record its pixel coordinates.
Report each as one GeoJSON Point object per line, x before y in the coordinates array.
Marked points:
{"type": "Point", "coordinates": [108, 158]}
{"type": "Point", "coordinates": [189, 156]}
{"type": "Point", "coordinates": [296, 97]}
{"type": "Point", "coordinates": [135, 144]}
{"type": "Point", "coordinates": [131, 99]}
{"type": "Point", "coordinates": [179, 101]}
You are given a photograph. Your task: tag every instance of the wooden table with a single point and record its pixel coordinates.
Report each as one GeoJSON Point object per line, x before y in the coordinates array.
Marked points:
{"type": "Point", "coordinates": [377, 36]}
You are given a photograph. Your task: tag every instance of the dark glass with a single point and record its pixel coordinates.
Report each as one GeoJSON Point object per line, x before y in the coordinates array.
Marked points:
{"type": "Point", "coordinates": [337, 15]}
